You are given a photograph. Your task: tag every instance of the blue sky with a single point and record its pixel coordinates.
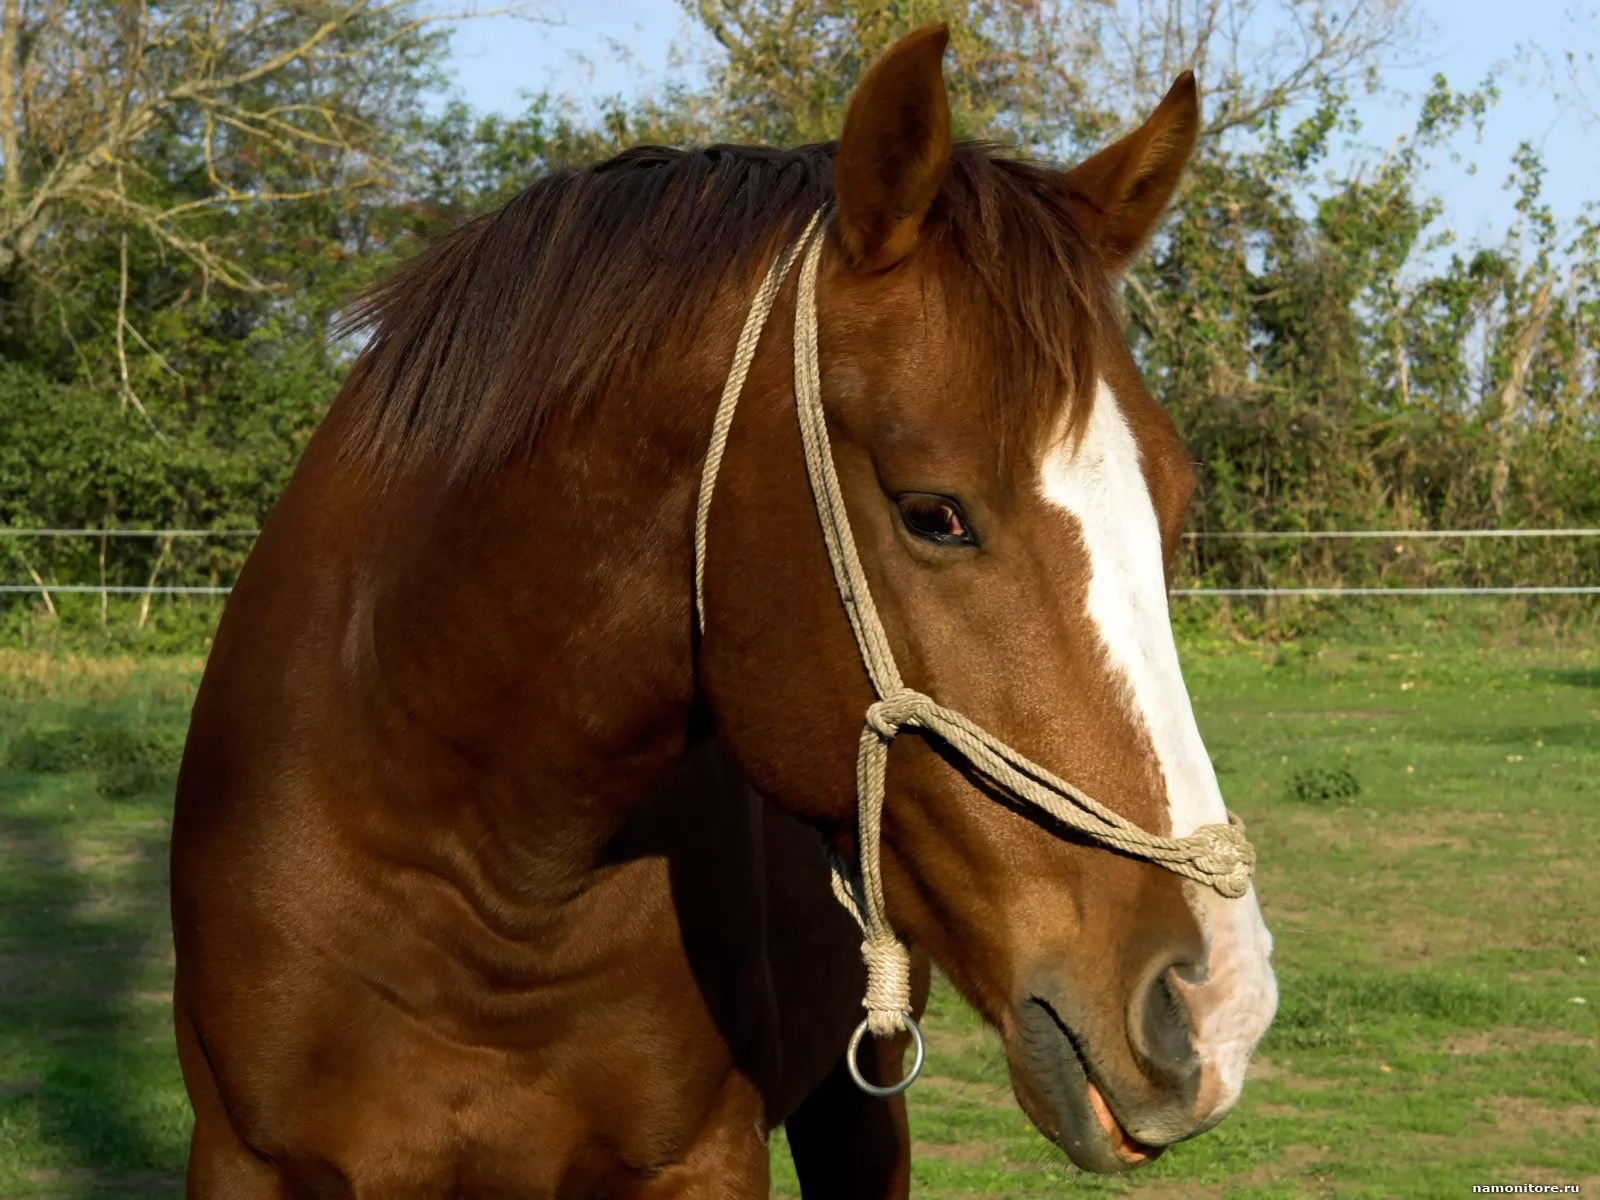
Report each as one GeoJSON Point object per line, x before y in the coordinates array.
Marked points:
{"type": "Point", "coordinates": [498, 59]}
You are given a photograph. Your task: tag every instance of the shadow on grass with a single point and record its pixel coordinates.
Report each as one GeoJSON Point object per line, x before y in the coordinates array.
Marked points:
{"type": "Point", "coordinates": [1578, 677]}
{"type": "Point", "coordinates": [85, 1041]}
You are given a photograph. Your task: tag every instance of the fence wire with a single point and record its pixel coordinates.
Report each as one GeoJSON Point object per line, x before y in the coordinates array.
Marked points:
{"type": "Point", "coordinates": [1251, 535]}
{"type": "Point", "coordinates": [1183, 593]}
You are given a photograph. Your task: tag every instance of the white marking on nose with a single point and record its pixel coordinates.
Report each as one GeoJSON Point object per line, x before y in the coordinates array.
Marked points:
{"type": "Point", "coordinates": [1101, 483]}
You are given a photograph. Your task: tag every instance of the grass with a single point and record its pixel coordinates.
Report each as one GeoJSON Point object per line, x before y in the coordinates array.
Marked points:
{"type": "Point", "coordinates": [1427, 807]}
{"type": "Point", "coordinates": [90, 1099]}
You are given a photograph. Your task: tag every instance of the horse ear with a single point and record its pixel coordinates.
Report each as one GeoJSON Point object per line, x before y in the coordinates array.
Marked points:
{"type": "Point", "coordinates": [894, 151]}
{"type": "Point", "coordinates": [1121, 192]}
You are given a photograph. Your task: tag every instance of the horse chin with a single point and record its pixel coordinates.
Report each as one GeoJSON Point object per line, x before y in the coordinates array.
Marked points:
{"type": "Point", "coordinates": [1051, 1082]}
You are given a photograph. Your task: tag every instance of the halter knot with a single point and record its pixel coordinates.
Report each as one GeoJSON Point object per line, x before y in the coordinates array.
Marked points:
{"type": "Point", "coordinates": [895, 711]}
{"type": "Point", "coordinates": [1224, 856]}
{"type": "Point", "coordinates": [888, 997]}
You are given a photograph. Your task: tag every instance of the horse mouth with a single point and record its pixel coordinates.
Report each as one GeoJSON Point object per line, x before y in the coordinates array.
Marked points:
{"type": "Point", "coordinates": [1129, 1150]}
{"type": "Point", "coordinates": [1052, 1078]}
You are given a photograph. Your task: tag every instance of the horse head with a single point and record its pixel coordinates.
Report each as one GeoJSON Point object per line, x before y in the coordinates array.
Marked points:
{"type": "Point", "coordinates": [1015, 496]}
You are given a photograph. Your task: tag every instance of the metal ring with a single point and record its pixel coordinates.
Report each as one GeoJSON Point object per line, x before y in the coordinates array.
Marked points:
{"type": "Point", "coordinates": [894, 1089]}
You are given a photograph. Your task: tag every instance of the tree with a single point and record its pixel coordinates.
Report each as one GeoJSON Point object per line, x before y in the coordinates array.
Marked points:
{"type": "Point", "coordinates": [191, 193]}
{"type": "Point", "coordinates": [1052, 76]}
{"type": "Point", "coordinates": [1333, 357]}
{"type": "Point", "coordinates": [171, 131]}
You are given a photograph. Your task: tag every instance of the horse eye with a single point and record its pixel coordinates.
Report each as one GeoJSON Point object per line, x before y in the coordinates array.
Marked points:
{"type": "Point", "coordinates": [935, 519]}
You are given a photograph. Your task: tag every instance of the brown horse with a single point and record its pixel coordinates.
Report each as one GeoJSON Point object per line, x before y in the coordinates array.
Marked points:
{"type": "Point", "coordinates": [470, 895]}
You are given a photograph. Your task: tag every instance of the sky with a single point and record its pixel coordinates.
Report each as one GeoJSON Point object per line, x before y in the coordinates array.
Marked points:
{"type": "Point", "coordinates": [496, 60]}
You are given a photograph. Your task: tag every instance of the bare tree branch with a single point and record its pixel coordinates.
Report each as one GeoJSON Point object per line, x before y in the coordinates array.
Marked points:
{"type": "Point", "coordinates": [9, 142]}
{"type": "Point", "coordinates": [91, 94]}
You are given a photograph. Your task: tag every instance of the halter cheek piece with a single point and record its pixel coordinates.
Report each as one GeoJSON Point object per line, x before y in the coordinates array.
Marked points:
{"type": "Point", "coordinates": [1218, 856]}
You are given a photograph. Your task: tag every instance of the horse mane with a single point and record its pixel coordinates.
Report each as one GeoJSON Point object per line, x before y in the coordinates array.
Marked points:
{"type": "Point", "coordinates": [532, 311]}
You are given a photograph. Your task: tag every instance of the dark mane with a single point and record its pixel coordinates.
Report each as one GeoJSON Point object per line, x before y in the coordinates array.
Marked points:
{"type": "Point", "coordinates": [538, 308]}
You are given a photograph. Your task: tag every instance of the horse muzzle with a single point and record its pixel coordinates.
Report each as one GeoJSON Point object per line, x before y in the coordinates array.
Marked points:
{"type": "Point", "coordinates": [1113, 1088]}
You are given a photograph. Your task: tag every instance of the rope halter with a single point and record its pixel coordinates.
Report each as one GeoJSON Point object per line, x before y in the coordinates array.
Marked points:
{"type": "Point", "coordinates": [1217, 856]}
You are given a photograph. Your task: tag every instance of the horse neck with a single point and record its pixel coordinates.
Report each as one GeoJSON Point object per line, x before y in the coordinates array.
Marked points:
{"type": "Point", "coordinates": [531, 637]}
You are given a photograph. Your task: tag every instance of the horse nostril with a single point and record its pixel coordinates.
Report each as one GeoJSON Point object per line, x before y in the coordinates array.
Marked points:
{"type": "Point", "coordinates": [1165, 1035]}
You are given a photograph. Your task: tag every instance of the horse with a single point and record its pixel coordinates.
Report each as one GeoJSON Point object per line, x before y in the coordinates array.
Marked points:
{"type": "Point", "coordinates": [498, 869]}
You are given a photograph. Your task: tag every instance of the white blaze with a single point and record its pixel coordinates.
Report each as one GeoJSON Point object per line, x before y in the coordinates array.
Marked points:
{"type": "Point", "coordinates": [1100, 482]}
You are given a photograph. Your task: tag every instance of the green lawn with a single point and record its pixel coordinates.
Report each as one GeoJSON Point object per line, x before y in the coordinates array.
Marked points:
{"type": "Point", "coordinates": [1438, 931]}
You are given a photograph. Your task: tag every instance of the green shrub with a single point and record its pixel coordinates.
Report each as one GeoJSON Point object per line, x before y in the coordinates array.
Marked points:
{"type": "Point", "coordinates": [1322, 785]}
{"type": "Point", "coordinates": [126, 759]}
{"type": "Point", "coordinates": [47, 752]}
